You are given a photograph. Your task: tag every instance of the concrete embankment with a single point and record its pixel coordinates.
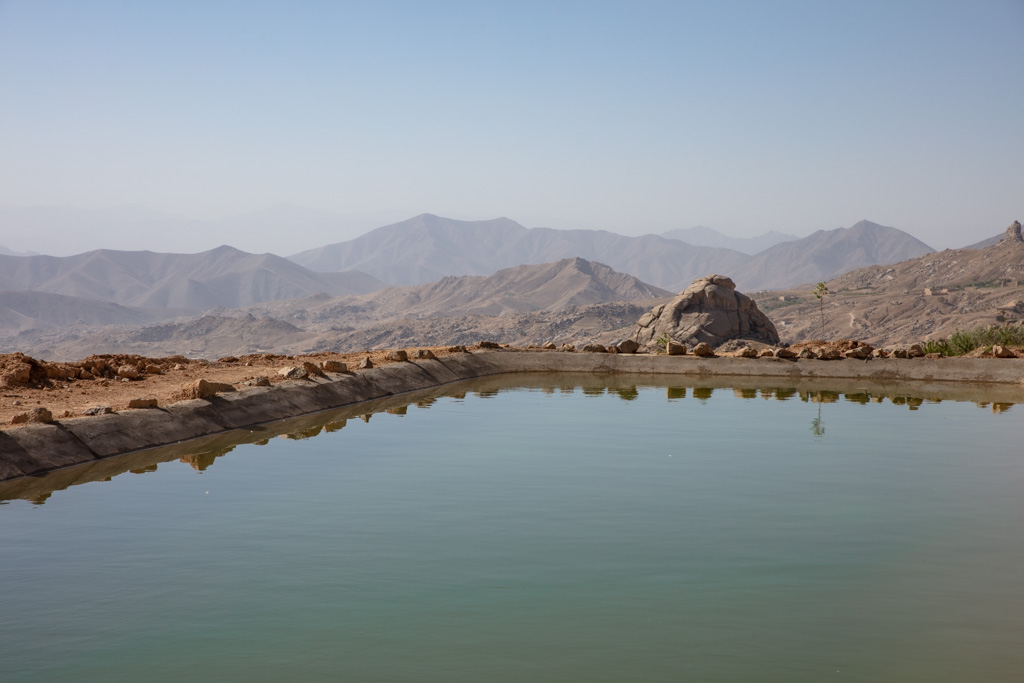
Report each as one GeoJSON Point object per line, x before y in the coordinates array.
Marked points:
{"type": "Point", "coordinates": [38, 448]}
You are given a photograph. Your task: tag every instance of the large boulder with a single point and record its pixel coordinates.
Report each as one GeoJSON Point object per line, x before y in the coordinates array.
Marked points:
{"type": "Point", "coordinates": [710, 311]}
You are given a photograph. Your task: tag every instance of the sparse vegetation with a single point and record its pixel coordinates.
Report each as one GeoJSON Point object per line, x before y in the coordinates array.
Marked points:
{"type": "Point", "coordinates": [821, 291]}
{"type": "Point", "coordinates": [662, 342]}
{"type": "Point", "coordinates": [965, 341]}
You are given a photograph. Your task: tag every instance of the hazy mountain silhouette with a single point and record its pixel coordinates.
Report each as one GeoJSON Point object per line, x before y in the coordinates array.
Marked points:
{"type": "Point", "coordinates": [20, 311]}
{"type": "Point", "coordinates": [429, 247]}
{"type": "Point", "coordinates": [827, 253]}
{"type": "Point", "coordinates": [703, 236]}
{"type": "Point", "coordinates": [220, 277]}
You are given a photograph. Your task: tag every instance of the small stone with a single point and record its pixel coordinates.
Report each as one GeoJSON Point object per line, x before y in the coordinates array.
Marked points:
{"type": "Point", "coordinates": [704, 350]}
{"type": "Point", "coordinates": [458, 348]}
{"type": "Point", "coordinates": [569, 348]}
{"type": "Point", "coordinates": [807, 353]}
{"type": "Point", "coordinates": [785, 353]}
{"type": "Point", "coordinates": [487, 345]}
{"type": "Point", "coordinates": [1002, 352]}
{"type": "Point", "coordinates": [293, 372]}
{"type": "Point", "coordinates": [260, 381]}
{"type": "Point", "coordinates": [879, 353]}
{"type": "Point", "coordinates": [627, 346]}
{"type": "Point", "coordinates": [748, 352]}
{"type": "Point", "coordinates": [333, 366]}
{"type": "Point", "coordinates": [933, 355]}
{"type": "Point", "coordinates": [915, 351]}
{"type": "Point", "coordinates": [859, 353]}
{"type": "Point", "coordinates": [128, 372]}
{"type": "Point", "coordinates": [98, 410]}
{"type": "Point", "coordinates": [425, 354]}
{"type": "Point", "coordinates": [594, 348]}
{"type": "Point", "coordinates": [21, 374]}
{"type": "Point", "coordinates": [767, 353]}
{"type": "Point", "coordinates": [312, 369]}
{"type": "Point", "coordinates": [549, 345]}
{"type": "Point", "coordinates": [154, 369]}
{"type": "Point", "coordinates": [139, 403]}
{"type": "Point", "coordinates": [204, 389]}
{"type": "Point", "coordinates": [613, 349]}
{"type": "Point", "coordinates": [898, 353]}
{"type": "Point", "coordinates": [676, 349]}
{"type": "Point", "coordinates": [39, 414]}
{"type": "Point", "coordinates": [365, 364]}
{"type": "Point", "coordinates": [397, 355]}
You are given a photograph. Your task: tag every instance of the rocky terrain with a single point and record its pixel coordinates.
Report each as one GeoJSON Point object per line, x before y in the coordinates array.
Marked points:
{"type": "Point", "coordinates": [112, 382]}
{"type": "Point", "coordinates": [572, 300]}
{"type": "Point", "coordinates": [928, 297]}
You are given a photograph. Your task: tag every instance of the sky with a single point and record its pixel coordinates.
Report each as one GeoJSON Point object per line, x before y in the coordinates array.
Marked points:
{"type": "Point", "coordinates": [632, 116]}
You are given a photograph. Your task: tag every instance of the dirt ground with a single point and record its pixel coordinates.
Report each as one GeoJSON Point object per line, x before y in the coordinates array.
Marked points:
{"type": "Point", "coordinates": [113, 380]}
{"type": "Point", "coordinates": [69, 389]}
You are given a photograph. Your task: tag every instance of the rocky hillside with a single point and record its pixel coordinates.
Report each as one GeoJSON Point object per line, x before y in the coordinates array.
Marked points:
{"type": "Point", "coordinates": [520, 304]}
{"type": "Point", "coordinates": [922, 298]}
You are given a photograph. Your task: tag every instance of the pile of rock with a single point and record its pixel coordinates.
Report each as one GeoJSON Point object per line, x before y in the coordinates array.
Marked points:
{"type": "Point", "coordinates": [710, 312]}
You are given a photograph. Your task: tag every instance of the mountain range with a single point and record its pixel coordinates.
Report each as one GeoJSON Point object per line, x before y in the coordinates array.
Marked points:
{"type": "Point", "coordinates": [522, 298]}
{"type": "Point", "coordinates": [703, 236]}
{"type": "Point", "coordinates": [572, 300]}
{"type": "Point", "coordinates": [428, 247]}
{"type": "Point", "coordinates": [223, 277]}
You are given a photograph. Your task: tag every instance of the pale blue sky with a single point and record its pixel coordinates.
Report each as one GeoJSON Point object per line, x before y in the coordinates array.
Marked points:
{"type": "Point", "coordinates": [628, 116]}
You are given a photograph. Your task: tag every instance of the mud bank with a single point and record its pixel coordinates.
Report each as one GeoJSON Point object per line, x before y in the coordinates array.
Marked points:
{"type": "Point", "coordinates": [39, 448]}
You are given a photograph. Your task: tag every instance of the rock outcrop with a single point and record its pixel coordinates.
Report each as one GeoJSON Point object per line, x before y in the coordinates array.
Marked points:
{"type": "Point", "coordinates": [710, 311]}
{"type": "Point", "coordinates": [1013, 233]}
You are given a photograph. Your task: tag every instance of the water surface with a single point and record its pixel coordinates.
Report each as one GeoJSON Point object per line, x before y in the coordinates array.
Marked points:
{"type": "Point", "coordinates": [564, 531]}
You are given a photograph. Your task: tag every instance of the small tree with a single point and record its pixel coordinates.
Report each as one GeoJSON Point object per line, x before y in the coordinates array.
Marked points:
{"type": "Point", "coordinates": [821, 291]}
{"type": "Point", "coordinates": [662, 342]}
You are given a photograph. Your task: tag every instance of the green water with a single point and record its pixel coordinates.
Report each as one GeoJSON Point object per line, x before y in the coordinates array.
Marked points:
{"type": "Point", "coordinates": [544, 533]}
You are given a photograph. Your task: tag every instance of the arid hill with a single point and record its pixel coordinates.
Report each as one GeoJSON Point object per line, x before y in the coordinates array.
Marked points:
{"type": "Point", "coordinates": [928, 297]}
{"type": "Point", "coordinates": [571, 300]}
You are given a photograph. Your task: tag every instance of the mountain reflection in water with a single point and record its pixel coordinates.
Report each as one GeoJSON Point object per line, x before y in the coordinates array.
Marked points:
{"type": "Point", "coordinates": [200, 454]}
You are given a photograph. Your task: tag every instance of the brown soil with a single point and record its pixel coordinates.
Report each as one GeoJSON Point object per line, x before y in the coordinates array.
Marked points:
{"type": "Point", "coordinates": [68, 389]}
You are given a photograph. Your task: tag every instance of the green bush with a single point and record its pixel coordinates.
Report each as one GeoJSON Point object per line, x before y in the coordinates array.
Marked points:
{"type": "Point", "coordinates": [965, 341]}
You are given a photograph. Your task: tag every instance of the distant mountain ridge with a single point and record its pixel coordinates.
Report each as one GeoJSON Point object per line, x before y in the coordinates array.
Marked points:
{"type": "Point", "coordinates": [428, 247]}
{"type": "Point", "coordinates": [224, 277]}
{"type": "Point", "coordinates": [827, 253]}
{"type": "Point", "coordinates": [4, 251]}
{"type": "Point", "coordinates": [703, 236]}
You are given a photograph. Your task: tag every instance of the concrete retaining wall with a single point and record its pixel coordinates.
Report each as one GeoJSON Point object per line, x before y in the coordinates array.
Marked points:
{"type": "Point", "coordinates": [34, 449]}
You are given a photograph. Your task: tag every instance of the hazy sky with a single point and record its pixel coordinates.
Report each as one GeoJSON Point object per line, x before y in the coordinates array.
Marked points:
{"type": "Point", "coordinates": [628, 116]}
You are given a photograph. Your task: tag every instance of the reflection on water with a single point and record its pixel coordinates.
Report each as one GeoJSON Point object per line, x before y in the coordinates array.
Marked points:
{"type": "Point", "coordinates": [817, 425]}
{"type": "Point", "coordinates": [201, 454]}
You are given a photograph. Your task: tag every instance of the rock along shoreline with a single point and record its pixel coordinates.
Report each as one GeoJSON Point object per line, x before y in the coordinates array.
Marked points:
{"type": "Point", "coordinates": [39, 448]}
